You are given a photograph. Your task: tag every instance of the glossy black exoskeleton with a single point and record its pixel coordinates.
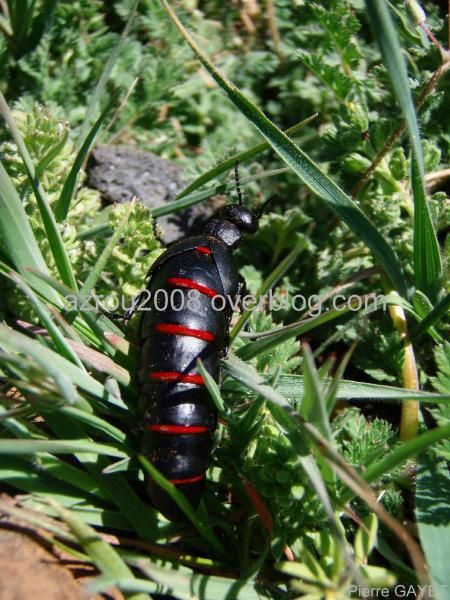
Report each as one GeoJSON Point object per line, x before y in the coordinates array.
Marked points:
{"type": "Point", "coordinates": [191, 289]}
{"type": "Point", "coordinates": [179, 414]}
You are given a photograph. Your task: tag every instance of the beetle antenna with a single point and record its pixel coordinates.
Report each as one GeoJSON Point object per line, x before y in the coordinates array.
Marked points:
{"type": "Point", "coordinates": [238, 183]}
{"type": "Point", "coordinates": [261, 210]}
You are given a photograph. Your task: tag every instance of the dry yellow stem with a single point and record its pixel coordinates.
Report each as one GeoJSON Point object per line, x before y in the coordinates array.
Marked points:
{"type": "Point", "coordinates": [273, 27]}
{"type": "Point", "coordinates": [410, 408]}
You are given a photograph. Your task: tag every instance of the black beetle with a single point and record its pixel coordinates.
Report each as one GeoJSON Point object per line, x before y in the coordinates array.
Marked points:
{"type": "Point", "coordinates": [179, 415]}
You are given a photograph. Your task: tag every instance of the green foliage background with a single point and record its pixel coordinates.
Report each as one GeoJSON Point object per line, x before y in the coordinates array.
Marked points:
{"type": "Point", "coordinates": [322, 60]}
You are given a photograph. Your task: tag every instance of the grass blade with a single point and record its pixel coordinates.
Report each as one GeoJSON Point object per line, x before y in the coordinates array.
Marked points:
{"type": "Point", "coordinates": [427, 259]}
{"type": "Point", "coordinates": [358, 486]}
{"type": "Point", "coordinates": [53, 362]}
{"type": "Point", "coordinates": [65, 198]}
{"type": "Point", "coordinates": [314, 410]}
{"type": "Point", "coordinates": [58, 469]}
{"type": "Point", "coordinates": [305, 168]}
{"type": "Point", "coordinates": [433, 517]}
{"type": "Point", "coordinates": [400, 455]}
{"type": "Point", "coordinates": [187, 585]}
{"type": "Point", "coordinates": [61, 344]}
{"type": "Point", "coordinates": [24, 477]}
{"type": "Point", "coordinates": [139, 513]}
{"type": "Point", "coordinates": [244, 373]}
{"type": "Point", "coordinates": [332, 389]}
{"type": "Point", "coordinates": [27, 25]}
{"type": "Point", "coordinates": [6, 26]}
{"type": "Point", "coordinates": [92, 421]}
{"type": "Point", "coordinates": [62, 381]}
{"type": "Point", "coordinates": [106, 73]}
{"type": "Point", "coordinates": [18, 238]}
{"type": "Point", "coordinates": [278, 336]}
{"type": "Point", "coordinates": [292, 386]}
{"type": "Point", "coordinates": [240, 157]}
{"type": "Point", "coordinates": [213, 389]}
{"type": "Point", "coordinates": [55, 241]}
{"type": "Point", "coordinates": [268, 284]}
{"type": "Point", "coordinates": [313, 407]}
{"type": "Point", "coordinates": [289, 420]}
{"type": "Point", "coordinates": [102, 554]}
{"type": "Point", "coordinates": [126, 585]}
{"type": "Point", "coordinates": [92, 515]}
{"type": "Point", "coordinates": [94, 326]}
{"type": "Point", "coordinates": [386, 35]}
{"type": "Point", "coordinates": [100, 362]}
{"type": "Point", "coordinates": [100, 263]}
{"type": "Point", "coordinates": [186, 507]}
{"type": "Point", "coordinates": [267, 340]}
{"type": "Point", "coordinates": [42, 21]}
{"type": "Point", "coordinates": [408, 575]}
{"type": "Point", "coordinates": [48, 158]}
{"type": "Point", "coordinates": [195, 197]}
{"type": "Point", "coordinates": [15, 447]}
{"type": "Point", "coordinates": [7, 507]}
{"type": "Point", "coordinates": [140, 516]}
{"type": "Point", "coordinates": [432, 317]}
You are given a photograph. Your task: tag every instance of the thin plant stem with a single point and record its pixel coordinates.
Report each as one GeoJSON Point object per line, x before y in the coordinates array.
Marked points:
{"type": "Point", "coordinates": [409, 423]}
{"type": "Point", "coordinates": [433, 39]}
{"type": "Point", "coordinates": [273, 28]}
{"type": "Point", "coordinates": [448, 23]}
{"type": "Point", "coordinates": [429, 87]}
{"type": "Point", "coordinates": [121, 105]}
{"type": "Point", "coordinates": [436, 178]}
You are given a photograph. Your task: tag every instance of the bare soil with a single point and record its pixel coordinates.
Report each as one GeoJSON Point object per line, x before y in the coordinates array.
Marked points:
{"type": "Point", "coordinates": [32, 568]}
{"type": "Point", "coordinates": [29, 570]}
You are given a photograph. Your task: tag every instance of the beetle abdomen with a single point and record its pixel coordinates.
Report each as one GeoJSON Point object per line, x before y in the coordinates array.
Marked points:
{"type": "Point", "coordinates": [178, 412]}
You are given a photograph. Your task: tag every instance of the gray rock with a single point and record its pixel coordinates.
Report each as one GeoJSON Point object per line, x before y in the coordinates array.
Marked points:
{"type": "Point", "coordinates": [120, 173]}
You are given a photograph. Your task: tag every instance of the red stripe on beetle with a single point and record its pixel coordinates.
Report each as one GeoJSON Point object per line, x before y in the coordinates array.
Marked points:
{"type": "Point", "coordinates": [203, 250]}
{"type": "Point", "coordinates": [187, 480]}
{"type": "Point", "coordinates": [192, 285]}
{"type": "Point", "coordinates": [174, 329]}
{"type": "Point", "coordinates": [177, 429]}
{"type": "Point", "coordinates": [176, 376]}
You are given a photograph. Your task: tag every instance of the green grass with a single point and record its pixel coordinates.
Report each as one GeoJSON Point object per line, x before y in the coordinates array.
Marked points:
{"type": "Point", "coordinates": [309, 484]}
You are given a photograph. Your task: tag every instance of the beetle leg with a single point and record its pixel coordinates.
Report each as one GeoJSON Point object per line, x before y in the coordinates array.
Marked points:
{"type": "Point", "coordinates": [126, 316]}
{"type": "Point", "coordinates": [241, 292]}
{"type": "Point", "coordinates": [226, 346]}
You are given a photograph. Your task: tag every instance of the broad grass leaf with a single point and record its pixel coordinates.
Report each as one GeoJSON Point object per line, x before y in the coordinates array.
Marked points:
{"type": "Point", "coordinates": [311, 175]}
{"type": "Point", "coordinates": [427, 258]}
{"type": "Point", "coordinates": [433, 518]}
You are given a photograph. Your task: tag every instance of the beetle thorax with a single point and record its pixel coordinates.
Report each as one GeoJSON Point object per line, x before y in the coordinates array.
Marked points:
{"type": "Point", "coordinates": [225, 231]}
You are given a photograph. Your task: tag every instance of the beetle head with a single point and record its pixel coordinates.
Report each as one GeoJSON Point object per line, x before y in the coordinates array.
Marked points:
{"type": "Point", "coordinates": [234, 219]}
{"type": "Point", "coordinates": [244, 219]}
{"type": "Point", "coordinates": [230, 223]}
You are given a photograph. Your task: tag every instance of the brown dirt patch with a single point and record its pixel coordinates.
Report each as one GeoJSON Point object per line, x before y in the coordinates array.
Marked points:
{"type": "Point", "coordinates": [30, 571]}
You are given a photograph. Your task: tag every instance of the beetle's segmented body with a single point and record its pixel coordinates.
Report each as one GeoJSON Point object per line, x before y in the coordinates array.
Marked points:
{"type": "Point", "coordinates": [179, 414]}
